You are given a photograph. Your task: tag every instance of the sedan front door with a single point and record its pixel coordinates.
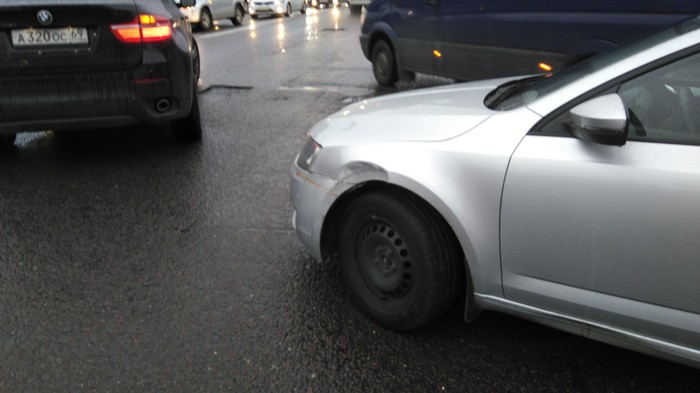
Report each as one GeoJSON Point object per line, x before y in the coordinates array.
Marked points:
{"type": "Point", "coordinates": [611, 235]}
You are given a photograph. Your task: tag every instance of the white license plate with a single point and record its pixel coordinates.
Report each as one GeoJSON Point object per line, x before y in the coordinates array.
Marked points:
{"type": "Point", "coordinates": [42, 37]}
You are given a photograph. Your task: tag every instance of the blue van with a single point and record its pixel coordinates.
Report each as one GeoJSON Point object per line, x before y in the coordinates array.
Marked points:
{"type": "Point", "coordinates": [477, 39]}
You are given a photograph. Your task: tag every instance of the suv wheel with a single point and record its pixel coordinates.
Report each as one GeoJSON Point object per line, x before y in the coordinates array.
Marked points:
{"type": "Point", "coordinates": [196, 65]}
{"type": "Point", "coordinates": [189, 128]}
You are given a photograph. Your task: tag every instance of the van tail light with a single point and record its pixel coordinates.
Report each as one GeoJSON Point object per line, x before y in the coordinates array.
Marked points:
{"type": "Point", "coordinates": [145, 28]}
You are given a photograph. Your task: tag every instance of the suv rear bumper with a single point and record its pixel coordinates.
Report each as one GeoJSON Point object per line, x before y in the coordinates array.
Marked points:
{"type": "Point", "coordinates": [156, 92]}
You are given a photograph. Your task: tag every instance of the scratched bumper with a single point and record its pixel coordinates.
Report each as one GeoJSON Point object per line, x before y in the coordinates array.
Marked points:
{"type": "Point", "coordinates": [311, 198]}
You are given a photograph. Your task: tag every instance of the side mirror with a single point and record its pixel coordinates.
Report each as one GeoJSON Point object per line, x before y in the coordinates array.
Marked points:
{"type": "Point", "coordinates": [185, 3]}
{"type": "Point", "coordinates": [600, 120]}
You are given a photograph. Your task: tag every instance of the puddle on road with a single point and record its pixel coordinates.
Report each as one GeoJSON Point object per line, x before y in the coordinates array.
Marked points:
{"type": "Point", "coordinates": [344, 90]}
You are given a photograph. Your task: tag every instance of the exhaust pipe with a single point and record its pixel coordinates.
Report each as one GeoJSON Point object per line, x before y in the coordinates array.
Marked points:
{"type": "Point", "coordinates": [163, 105]}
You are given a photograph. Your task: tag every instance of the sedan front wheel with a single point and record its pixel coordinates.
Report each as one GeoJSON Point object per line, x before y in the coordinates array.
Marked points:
{"type": "Point", "coordinates": [399, 260]}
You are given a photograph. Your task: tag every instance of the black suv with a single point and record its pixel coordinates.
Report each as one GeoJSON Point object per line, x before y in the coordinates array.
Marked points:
{"type": "Point", "coordinates": [97, 64]}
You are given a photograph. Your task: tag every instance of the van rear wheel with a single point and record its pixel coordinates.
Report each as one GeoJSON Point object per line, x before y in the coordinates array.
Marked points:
{"type": "Point", "coordinates": [384, 64]}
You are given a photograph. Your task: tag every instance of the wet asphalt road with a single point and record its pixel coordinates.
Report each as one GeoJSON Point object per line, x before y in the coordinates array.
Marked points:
{"type": "Point", "coordinates": [131, 263]}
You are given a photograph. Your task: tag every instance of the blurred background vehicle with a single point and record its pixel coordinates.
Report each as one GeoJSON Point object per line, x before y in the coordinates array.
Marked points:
{"type": "Point", "coordinates": [95, 64]}
{"type": "Point", "coordinates": [469, 40]}
{"type": "Point", "coordinates": [322, 3]}
{"type": "Point", "coordinates": [259, 8]}
{"type": "Point", "coordinates": [356, 5]}
{"type": "Point", "coordinates": [203, 14]}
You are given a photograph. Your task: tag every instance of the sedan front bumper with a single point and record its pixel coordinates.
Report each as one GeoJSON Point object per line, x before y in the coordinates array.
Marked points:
{"type": "Point", "coordinates": [311, 196]}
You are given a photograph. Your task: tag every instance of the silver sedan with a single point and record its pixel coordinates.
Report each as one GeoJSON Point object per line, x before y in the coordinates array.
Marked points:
{"type": "Point", "coordinates": [572, 200]}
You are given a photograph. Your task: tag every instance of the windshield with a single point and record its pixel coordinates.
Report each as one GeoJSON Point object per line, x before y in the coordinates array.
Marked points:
{"type": "Point", "coordinates": [521, 92]}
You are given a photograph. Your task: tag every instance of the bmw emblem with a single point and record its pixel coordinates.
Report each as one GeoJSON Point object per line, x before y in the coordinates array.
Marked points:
{"type": "Point", "coordinates": [44, 17]}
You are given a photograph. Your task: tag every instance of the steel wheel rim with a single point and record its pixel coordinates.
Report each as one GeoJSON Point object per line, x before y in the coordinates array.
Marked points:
{"type": "Point", "coordinates": [382, 64]}
{"type": "Point", "coordinates": [384, 261]}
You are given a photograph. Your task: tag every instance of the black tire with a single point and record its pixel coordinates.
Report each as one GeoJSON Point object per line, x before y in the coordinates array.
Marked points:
{"type": "Point", "coordinates": [189, 128]}
{"type": "Point", "coordinates": [196, 66]}
{"type": "Point", "coordinates": [399, 261]}
{"type": "Point", "coordinates": [206, 23]}
{"type": "Point", "coordinates": [288, 10]}
{"type": "Point", "coordinates": [254, 17]}
{"type": "Point", "coordinates": [303, 8]}
{"type": "Point", "coordinates": [384, 64]}
{"type": "Point", "coordinates": [7, 141]}
{"type": "Point", "coordinates": [238, 15]}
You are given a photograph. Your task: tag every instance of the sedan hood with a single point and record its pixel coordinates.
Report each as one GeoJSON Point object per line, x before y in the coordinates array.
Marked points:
{"type": "Point", "coordinates": [434, 114]}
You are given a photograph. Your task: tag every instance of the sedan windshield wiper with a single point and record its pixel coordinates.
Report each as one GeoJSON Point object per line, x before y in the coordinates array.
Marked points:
{"type": "Point", "coordinates": [509, 89]}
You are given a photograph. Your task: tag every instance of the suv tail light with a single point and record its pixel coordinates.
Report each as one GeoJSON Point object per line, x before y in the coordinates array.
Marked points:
{"type": "Point", "coordinates": [145, 28]}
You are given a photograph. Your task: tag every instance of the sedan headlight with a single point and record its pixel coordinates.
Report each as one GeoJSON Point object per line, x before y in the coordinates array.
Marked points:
{"type": "Point", "coordinates": [308, 154]}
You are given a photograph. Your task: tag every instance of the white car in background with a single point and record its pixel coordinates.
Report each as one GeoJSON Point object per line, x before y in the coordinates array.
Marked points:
{"type": "Point", "coordinates": [205, 12]}
{"type": "Point", "coordinates": [275, 7]}
{"type": "Point", "coordinates": [356, 5]}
